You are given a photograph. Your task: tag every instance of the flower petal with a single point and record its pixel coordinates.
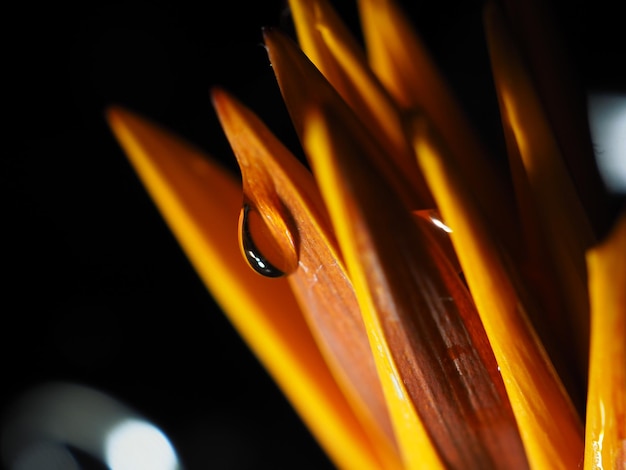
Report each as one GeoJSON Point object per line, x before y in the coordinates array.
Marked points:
{"type": "Point", "coordinates": [281, 188]}
{"type": "Point", "coordinates": [327, 42]}
{"type": "Point", "coordinates": [404, 66]}
{"type": "Point", "coordinates": [605, 434]}
{"type": "Point", "coordinates": [305, 88]}
{"type": "Point", "coordinates": [548, 423]}
{"type": "Point", "coordinates": [447, 400]}
{"type": "Point", "coordinates": [564, 99]}
{"type": "Point", "coordinates": [201, 202]}
{"type": "Point", "coordinates": [563, 224]}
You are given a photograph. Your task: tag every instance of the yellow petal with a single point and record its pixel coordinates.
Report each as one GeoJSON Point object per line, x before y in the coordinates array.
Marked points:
{"type": "Point", "coordinates": [396, 54]}
{"type": "Point", "coordinates": [328, 43]}
{"type": "Point", "coordinates": [404, 66]}
{"type": "Point", "coordinates": [563, 223]}
{"type": "Point", "coordinates": [550, 428]}
{"type": "Point", "coordinates": [284, 193]}
{"type": "Point", "coordinates": [605, 433]}
{"type": "Point", "coordinates": [304, 88]}
{"type": "Point", "coordinates": [438, 374]}
{"type": "Point", "coordinates": [201, 203]}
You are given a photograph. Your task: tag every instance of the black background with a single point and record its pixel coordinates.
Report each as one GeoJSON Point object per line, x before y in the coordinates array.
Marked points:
{"type": "Point", "coordinates": [96, 290]}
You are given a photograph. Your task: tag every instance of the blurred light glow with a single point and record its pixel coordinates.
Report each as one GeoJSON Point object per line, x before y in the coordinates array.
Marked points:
{"type": "Point", "coordinates": [138, 445]}
{"type": "Point", "coordinates": [607, 121]}
{"type": "Point", "coordinates": [45, 456]}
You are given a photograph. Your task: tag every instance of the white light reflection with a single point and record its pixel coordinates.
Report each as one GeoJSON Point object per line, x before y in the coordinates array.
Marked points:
{"type": "Point", "coordinates": [607, 121]}
{"type": "Point", "coordinates": [597, 444]}
{"type": "Point", "coordinates": [441, 225]}
{"type": "Point", "coordinates": [138, 445]}
{"type": "Point", "coordinates": [396, 386]}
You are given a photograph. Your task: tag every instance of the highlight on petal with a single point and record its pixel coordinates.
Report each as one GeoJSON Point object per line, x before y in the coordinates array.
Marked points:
{"type": "Point", "coordinates": [201, 203]}
{"type": "Point", "coordinates": [279, 187]}
{"type": "Point", "coordinates": [605, 433]}
{"type": "Point", "coordinates": [562, 222]}
{"type": "Point", "coordinates": [446, 398]}
{"type": "Point", "coordinates": [439, 234]}
{"type": "Point", "coordinates": [549, 426]}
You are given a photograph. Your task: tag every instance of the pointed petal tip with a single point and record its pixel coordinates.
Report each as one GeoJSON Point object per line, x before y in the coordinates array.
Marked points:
{"type": "Point", "coordinates": [113, 113]}
{"type": "Point", "coordinates": [228, 107]}
{"type": "Point", "coordinates": [118, 117]}
{"type": "Point", "coordinates": [270, 35]}
{"type": "Point", "coordinates": [267, 30]}
{"type": "Point", "coordinates": [217, 94]}
{"type": "Point", "coordinates": [219, 98]}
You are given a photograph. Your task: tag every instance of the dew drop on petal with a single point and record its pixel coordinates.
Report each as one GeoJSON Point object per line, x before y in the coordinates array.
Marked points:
{"type": "Point", "coordinates": [260, 249]}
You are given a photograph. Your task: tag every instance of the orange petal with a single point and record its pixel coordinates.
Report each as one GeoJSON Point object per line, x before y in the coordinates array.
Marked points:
{"type": "Point", "coordinates": [396, 54]}
{"type": "Point", "coordinates": [550, 428]}
{"type": "Point", "coordinates": [281, 188]}
{"type": "Point", "coordinates": [201, 203]}
{"type": "Point", "coordinates": [438, 373]}
{"type": "Point", "coordinates": [304, 89]}
{"type": "Point", "coordinates": [563, 223]}
{"type": "Point", "coordinates": [328, 43]}
{"type": "Point", "coordinates": [605, 434]}
{"type": "Point", "coordinates": [404, 66]}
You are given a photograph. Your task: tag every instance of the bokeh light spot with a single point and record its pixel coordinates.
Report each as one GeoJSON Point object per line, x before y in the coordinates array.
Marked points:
{"type": "Point", "coordinates": [138, 445]}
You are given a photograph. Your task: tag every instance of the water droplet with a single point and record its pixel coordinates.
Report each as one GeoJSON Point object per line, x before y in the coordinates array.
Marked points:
{"type": "Point", "coordinates": [264, 253]}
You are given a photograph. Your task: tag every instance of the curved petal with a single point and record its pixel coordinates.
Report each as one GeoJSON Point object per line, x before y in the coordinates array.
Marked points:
{"type": "Point", "coordinates": [548, 423]}
{"type": "Point", "coordinates": [201, 203]}
{"type": "Point", "coordinates": [281, 188]}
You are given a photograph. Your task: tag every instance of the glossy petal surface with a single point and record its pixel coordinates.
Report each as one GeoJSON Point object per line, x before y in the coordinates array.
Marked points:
{"type": "Point", "coordinates": [605, 445]}
{"type": "Point", "coordinates": [548, 423]}
{"type": "Point", "coordinates": [201, 203]}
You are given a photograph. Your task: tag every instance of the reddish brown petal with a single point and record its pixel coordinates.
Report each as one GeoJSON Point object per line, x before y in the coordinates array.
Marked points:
{"type": "Point", "coordinates": [441, 382]}
{"type": "Point", "coordinates": [548, 423]}
{"type": "Point", "coordinates": [284, 194]}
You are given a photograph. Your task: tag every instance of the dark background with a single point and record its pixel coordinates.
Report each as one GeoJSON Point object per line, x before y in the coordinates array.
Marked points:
{"type": "Point", "coordinates": [96, 290]}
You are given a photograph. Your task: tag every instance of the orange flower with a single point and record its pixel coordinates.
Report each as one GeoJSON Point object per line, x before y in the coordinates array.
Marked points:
{"type": "Point", "coordinates": [402, 346]}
